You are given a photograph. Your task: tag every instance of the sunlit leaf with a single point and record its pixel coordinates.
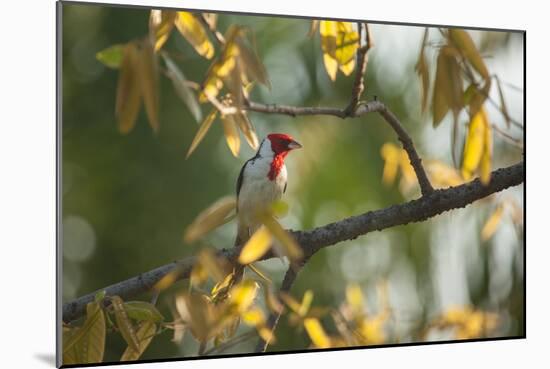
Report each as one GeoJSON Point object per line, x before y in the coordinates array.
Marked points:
{"type": "Point", "coordinates": [306, 303]}
{"type": "Point", "coordinates": [128, 94]}
{"type": "Point", "coordinates": [194, 33]}
{"type": "Point", "coordinates": [211, 218]}
{"type": "Point", "coordinates": [256, 246]}
{"type": "Point", "coordinates": [243, 294]}
{"type": "Point", "coordinates": [339, 42]}
{"type": "Point", "coordinates": [279, 208]}
{"type": "Point", "coordinates": [316, 333]}
{"type": "Point", "coordinates": [492, 223]}
{"type": "Point", "coordinates": [161, 23]}
{"type": "Point", "coordinates": [448, 86]}
{"type": "Point", "coordinates": [247, 129]}
{"type": "Point", "coordinates": [220, 289]}
{"type": "Point", "coordinates": [354, 297]}
{"type": "Point", "coordinates": [477, 148]}
{"type": "Point", "coordinates": [182, 89]}
{"type": "Point", "coordinates": [290, 302]}
{"type": "Point", "coordinates": [203, 129]}
{"type": "Point", "coordinates": [86, 344]}
{"type": "Point", "coordinates": [231, 134]}
{"type": "Point", "coordinates": [252, 64]}
{"type": "Point", "coordinates": [462, 40]}
{"type": "Point", "coordinates": [390, 153]}
{"type": "Point", "coordinates": [422, 70]}
{"type": "Point", "coordinates": [124, 324]}
{"type": "Point", "coordinates": [111, 56]}
{"type": "Point", "coordinates": [442, 175]}
{"type": "Point", "coordinates": [331, 66]}
{"type": "Point", "coordinates": [167, 280]}
{"type": "Point", "coordinates": [289, 244]}
{"type": "Point", "coordinates": [254, 317]}
{"type": "Point", "coordinates": [214, 267]}
{"type": "Point", "coordinates": [148, 76]}
{"type": "Point", "coordinates": [372, 330]}
{"type": "Point", "coordinates": [144, 334]}
{"type": "Point", "coordinates": [142, 310]}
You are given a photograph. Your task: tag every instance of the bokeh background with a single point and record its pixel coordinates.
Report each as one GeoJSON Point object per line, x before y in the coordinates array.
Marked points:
{"type": "Point", "coordinates": [127, 199]}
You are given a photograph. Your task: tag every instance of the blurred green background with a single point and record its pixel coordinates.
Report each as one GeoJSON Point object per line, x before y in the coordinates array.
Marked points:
{"type": "Point", "coordinates": [127, 199]}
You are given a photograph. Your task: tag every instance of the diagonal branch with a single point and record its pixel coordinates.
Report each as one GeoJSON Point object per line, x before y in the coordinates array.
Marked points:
{"type": "Point", "coordinates": [316, 239]}
{"type": "Point", "coordinates": [364, 108]}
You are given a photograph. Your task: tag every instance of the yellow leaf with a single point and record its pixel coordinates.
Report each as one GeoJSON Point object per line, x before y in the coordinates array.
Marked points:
{"type": "Point", "coordinates": [203, 129]}
{"type": "Point", "coordinates": [448, 85]}
{"type": "Point", "coordinates": [167, 280]}
{"type": "Point", "coordinates": [291, 248]}
{"type": "Point", "coordinates": [145, 334]}
{"type": "Point", "coordinates": [291, 302]}
{"type": "Point", "coordinates": [213, 266]}
{"type": "Point", "coordinates": [267, 334]}
{"type": "Point", "coordinates": [128, 94]}
{"type": "Point", "coordinates": [339, 43]}
{"type": "Point", "coordinates": [247, 129]}
{"type": "Point", "coordinates": [161, 23]}
{"type": "Point", "coordinates": [252, 64]}
{"type": "Point", "coordinates": [123, 323]}
{"type": "Point", "coordinates": [243, 295]}
{"type": "Point", "coordinates": [211, 218]}
{"type": "Point", "coordinates": [354, 297]}
{"type": "Point", "coordinates": [491, 225]}
{"type": "Point", "coordinates": [254, 317]}
{"type": "Point", "coordinates": [372, 329]}
{"type": "Point", "coordinates": [256, 246]}
{"type": "Point", "coordinates": [462, 40]}
{"type": "Point", "coordinates": [306, 303]}
{"type": "Point", "coordinates": [442, 175]}
{"type": "Point", "coordinates": [148, 76]}
{"type": "Point", "coordinates": [390, 154]}
{"type": "Point", "coordinates": [220, 289]}
{"type": "Point", "coordinates": [231, 134]}
{"type": "Point", "coordinates": [421, 68]}
{"type": "Point", "coordinates": [194, 33]}
{"type": "Point", "coordinates": [331, 65]}
{"type": "Point", "coordinates": [477, 148]}
{"type": "Point", "coordinates": [316, 333]}
{"type": "Point", "coordinates": [279, 208]}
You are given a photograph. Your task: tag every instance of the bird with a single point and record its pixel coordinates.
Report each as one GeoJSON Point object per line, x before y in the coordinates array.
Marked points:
{"type": "Point", "coordinates": [262, 181]}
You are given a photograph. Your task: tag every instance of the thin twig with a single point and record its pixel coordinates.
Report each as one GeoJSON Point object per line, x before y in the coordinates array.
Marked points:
{"type": "Point", "coordinates": [364, 108]}
{"type": "Point", "coordinates": [273, 320]}
{"type": "Point", "coordinates": [361, 68]}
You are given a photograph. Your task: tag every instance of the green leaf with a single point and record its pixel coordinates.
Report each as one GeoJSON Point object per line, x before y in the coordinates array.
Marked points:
{"type": "Point", "coordinates": [100, 296]}
{"type": "Point", "coordinates": [144, 334]}
{"type": "Point", "coordinates": [111, 56]}
{"type": "Point", "coordinates": [462, 40]}
{"type": "Point", "coordinates": [128, 94]}
{"type": "Point", "coordinates": [142, 310]}
{"type": "Point", "coordinates": [184, 92]}
{"type": "Point", "coordinates": [148, 77]}
{"type": "Point", "coordinates": [203, 129]}
{"type": "Point", "coordinates": [124, 324]}
{"type": "Point", "coordinates": [87, 343]}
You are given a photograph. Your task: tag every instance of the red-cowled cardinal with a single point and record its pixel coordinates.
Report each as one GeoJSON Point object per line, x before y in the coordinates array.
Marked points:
{"type": "Point", "coordinates": [262, 181]}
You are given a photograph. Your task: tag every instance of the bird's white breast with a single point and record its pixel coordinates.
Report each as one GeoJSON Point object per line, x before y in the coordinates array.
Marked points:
{"type": "Point", "coordinates": [258, 191]}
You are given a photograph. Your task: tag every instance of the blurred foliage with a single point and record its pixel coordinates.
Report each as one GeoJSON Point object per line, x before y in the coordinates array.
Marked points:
{"type": "Point", "coordinates": [131, 200]}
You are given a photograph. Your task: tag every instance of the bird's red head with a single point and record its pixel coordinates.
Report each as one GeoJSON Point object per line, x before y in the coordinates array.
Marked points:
{"type": "Point", "coordinates": [282, 143]}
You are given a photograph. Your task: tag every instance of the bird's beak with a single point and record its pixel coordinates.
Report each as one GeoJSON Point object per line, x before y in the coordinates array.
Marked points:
{"type": "Point", "coordinates": [294, 145]}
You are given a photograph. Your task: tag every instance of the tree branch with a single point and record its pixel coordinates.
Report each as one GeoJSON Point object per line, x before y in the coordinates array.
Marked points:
{"type": "Point", "coordinates": [316, 239]}
{"type": "Point", "coordinates": [273, 320]}
{"type": "Point", "coordinates": [364, 108]}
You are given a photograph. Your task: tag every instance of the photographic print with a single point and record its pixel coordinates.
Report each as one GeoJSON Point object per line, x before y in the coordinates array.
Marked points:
{"type": "Point", "coordinates": [244, 184]}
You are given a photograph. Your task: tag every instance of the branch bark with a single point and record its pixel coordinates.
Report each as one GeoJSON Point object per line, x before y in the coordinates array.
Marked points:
{"type": "Point", "coordinates": [312, 241]}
